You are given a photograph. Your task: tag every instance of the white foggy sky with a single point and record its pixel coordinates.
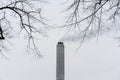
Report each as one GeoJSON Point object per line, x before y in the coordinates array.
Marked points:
{"type": "Point", "coordinates": [94, 61]}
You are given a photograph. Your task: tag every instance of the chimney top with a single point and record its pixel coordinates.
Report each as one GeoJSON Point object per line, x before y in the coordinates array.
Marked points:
{"type": "Point", "coordinates": [60, 42]}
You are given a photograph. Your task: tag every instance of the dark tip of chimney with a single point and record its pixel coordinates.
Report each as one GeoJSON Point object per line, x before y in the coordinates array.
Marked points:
{"type": "Point", "coordinates": [60, 42]}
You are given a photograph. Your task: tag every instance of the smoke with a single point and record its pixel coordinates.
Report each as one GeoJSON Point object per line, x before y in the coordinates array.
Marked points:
{"type": "Point", "coordinates": [79, 36]}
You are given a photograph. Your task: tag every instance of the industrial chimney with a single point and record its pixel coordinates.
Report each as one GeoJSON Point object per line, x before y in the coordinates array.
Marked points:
{"type": "Point", "coordinates": [60, 61]}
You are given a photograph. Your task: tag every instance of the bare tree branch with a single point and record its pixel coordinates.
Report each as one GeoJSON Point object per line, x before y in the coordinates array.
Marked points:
{"type": "Point", "coordinates": [27, 14]}
{"type": "Point", "coordinates": [93, 16]}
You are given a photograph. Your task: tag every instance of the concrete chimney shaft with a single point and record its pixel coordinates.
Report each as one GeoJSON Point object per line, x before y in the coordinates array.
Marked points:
{"type": "Point", "coordinates": [60, 62]}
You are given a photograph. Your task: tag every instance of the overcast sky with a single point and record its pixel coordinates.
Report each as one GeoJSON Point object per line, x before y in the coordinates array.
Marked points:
{"type": "Point", "coordinates": [95, 60]}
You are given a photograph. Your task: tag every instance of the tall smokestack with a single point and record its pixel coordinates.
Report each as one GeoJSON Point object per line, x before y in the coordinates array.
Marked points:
{"type": "Point", "coordinates": [60, 61]}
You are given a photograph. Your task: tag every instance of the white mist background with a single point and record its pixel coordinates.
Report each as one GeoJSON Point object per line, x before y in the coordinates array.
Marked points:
{"type": "Point", "coordinates": [95, 60]}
